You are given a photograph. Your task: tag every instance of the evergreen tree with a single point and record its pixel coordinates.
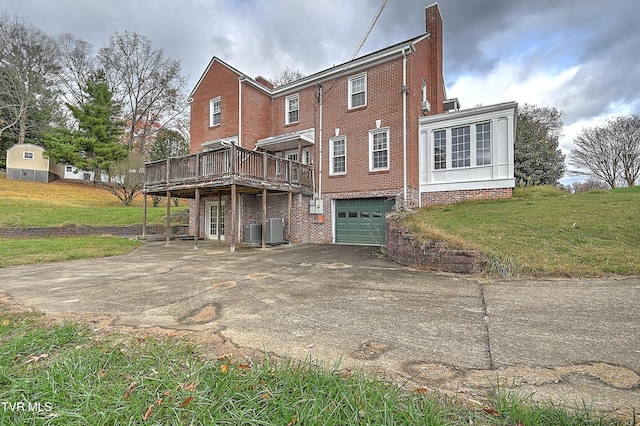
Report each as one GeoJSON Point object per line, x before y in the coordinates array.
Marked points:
{"type": "Point", "coordinates": [538, 161]}
{"type": "Point", "coordinates": [95, 144]}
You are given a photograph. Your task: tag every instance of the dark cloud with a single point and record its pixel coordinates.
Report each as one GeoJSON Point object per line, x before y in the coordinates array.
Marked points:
{"type": "Point", "coordinates": [596, 38]}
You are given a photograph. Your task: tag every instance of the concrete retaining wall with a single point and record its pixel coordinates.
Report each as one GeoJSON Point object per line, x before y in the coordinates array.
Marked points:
{"type": "Point", "coordinates": [405, 249]}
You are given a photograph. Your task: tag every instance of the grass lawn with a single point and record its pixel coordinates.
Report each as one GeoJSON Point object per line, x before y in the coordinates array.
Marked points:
{"type": "Point", "coordinates": [21, 251]}
{"type": "Point", "coordinates": [546, 231]}
{"type": "Point", "coordinates": [63, 374]}
{"type": "Point", "coordinates": [62, 203]}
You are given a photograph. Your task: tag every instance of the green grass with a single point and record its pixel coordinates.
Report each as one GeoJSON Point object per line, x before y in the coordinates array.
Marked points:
{"type": "Point", "coordinates": [76, 377]}
{"type": "Point", "coordinates": [61, 203]}
{"type": "Point", "coordinates": [64, 203]}
{"type": "Point", "coordinates": [21, 251]}
{"type": "Point", "coordinates": [544, 231]}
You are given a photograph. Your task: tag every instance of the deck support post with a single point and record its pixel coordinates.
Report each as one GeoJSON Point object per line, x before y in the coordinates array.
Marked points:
{"type": "Point", "coordinates": [218, 227]}
{"type": "Point", "coordinates": [264, 217]}
{"type": "Point", "coordinates": [144, 216]}
{"type": "Point", "coordinates": [168, 216]}
{"type": "Point", "coordinates": [196, 234]}
{"type": "Point", "coordinates": [234, 218]}
{"type": "Point", "coordinates": [289, 219]}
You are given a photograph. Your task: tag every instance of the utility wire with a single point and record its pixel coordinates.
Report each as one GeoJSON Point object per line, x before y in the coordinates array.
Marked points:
{"type": "Point", "coordinates": [362, 41]}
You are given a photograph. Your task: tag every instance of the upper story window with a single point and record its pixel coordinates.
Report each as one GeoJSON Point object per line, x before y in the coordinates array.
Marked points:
{"type": "Point", "coordinates": [215, 112]}
{"type": "Point", "coordinates": [379, 149]}
{"type": "Point", "coordinates": [292, 106]}
{"type": "Point", "coordinates": [27, 155]}
{"type": "Point", "coordinates": [338, 155]}
{"type": "Point", "coordinates": [358, 91]}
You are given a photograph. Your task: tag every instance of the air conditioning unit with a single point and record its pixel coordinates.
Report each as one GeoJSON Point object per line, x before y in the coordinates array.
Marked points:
{"type": "Point", "coordinates": [253, 233]}
{"type": "Point", "coordinates": [275, 230]}
{"type": "Point", "coordinates": [426, 106]}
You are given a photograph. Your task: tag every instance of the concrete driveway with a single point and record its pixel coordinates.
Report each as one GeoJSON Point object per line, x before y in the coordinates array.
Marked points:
{"type": "Point", "coordinates": [567, 340]}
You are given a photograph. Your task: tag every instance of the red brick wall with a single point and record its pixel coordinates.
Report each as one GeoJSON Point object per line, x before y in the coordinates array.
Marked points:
{"type": "Point", "coordinates": [433, 25]}
{"type": "Point", "coordinates": [450, 197]}
{"type": "Point", "coordinates": [218, 81]}
{"type": "Point", "coordinates": [256, 115]}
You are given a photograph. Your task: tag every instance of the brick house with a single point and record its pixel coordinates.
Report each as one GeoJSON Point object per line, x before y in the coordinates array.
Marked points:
{"type": "Point", "coordinates": [333, 152]}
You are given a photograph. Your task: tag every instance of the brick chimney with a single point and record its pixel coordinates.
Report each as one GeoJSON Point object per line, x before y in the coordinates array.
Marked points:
{"type": "Point", "coordinates": [260, 79]}
{"type": "Point", "coordinates": [433, 25]}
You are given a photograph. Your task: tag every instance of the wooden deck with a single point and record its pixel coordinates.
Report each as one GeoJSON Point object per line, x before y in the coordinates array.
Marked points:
{"type": "Point", "coordinates": [213, 171]}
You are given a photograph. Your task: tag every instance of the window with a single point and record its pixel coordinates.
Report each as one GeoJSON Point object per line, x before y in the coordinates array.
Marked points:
{"type": "Point", "coordinates": [440, 149]}
{"type": "Point", "coordinates": [292, 106]}
{"type": "Point", "coordinates": [358, 91]}
{"type": "Point", "coordinates": [214, 110]}
{"type": "Point", "coordinates": [461, 147]}
{"type": "Point", "coordinates": [27, 155]}
{"type": "Point", "coordinates": [379, 150]}
{"type": "Point", "coordinates": [483, 144]}
{"type": "Point", "coordinates": [338, 154]}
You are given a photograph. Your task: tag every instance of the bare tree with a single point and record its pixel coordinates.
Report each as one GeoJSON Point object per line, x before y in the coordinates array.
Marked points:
{"type": "Point", "coordinates": [28, 64]}
{"type": "Point", "coordinates": [77, 65]}
{"type": "Point", "coordinates": [610, 152]}
{"type": "Point", "coordinates": [591, 184]}
{"type": "Point", "coordinates": [597, 153]}
{"type": "Point", "coordinates": [287, 76]}
{"type": "Point", "coordinates": [126, 177]}
{"type": "Point", "coordinates": [627, 134]}
{"type": "Point", "coordinates": [148, 84]}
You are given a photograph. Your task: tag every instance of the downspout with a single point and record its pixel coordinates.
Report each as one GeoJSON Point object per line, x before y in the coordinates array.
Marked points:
{"type": "Point", "coordinates": [240, 111]}
{"type": "Point", "coordinates": [320, 141]}
{"type": "Point", "coordinates": [405, 90]}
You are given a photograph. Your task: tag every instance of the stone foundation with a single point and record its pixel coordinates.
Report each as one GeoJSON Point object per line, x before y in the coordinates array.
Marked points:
{"type": "Point", "coordinates": [405, 249]}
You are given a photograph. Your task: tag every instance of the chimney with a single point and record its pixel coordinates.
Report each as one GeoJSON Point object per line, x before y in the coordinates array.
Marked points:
{"type": "Point", "coordinates": [260, 79]}
{"type": "Point", "coordinates": [433, 25]}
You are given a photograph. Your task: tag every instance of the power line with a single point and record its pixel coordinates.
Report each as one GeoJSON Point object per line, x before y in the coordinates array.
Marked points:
{"type": "Point", "coordinates": [362, 41]}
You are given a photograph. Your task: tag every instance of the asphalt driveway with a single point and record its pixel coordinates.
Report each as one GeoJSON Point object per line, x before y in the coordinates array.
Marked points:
{"type": "Point", "coordinates": [569, 340]}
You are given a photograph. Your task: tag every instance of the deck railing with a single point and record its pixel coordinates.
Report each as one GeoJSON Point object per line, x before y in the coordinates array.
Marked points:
{"type": "Point", "coordinates": [226, 163]}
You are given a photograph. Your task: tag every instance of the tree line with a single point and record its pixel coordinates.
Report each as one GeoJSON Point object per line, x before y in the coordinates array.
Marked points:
{"type": "Point", "coordinates": [609, 153]}
{"type": "Point", "coordinates": [103, 111]}
{"type": "Point", "coordinates": [112, 108]}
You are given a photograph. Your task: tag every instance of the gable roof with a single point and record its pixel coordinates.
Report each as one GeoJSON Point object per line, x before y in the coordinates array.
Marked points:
{"type": "Point", "coordinates": [379, 56]}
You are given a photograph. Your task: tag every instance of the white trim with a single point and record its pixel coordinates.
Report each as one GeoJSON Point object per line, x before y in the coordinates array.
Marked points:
{"type": "Point", "coordinates": [371, 133]}
{"type": "Point", "coordinates": [220, 216]}
{"type": "Point", "coordinates": [332, 172]}
{"type": "Point", "coordinates": [287, 110]}
{"type": "Point", "coordinates": [212, 113]}
{"type": "Point", "coordinates": [352, 79]}
{"type": "Point", "coordinates": [25, 157]}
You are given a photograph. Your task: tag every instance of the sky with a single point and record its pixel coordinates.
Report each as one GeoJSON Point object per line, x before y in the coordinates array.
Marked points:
{"type": "Point", "coordinates": [579, 56]}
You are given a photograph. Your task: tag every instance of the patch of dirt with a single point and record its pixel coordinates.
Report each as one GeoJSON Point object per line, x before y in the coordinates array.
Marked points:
{"type": "Point", "coordinates": [370, 350]}
{"type": "Point", "coordinates": [203, 315]}
{"type": "Point", "coordinates": [258, 276]}
{"type": "Point", "coordinates": [337, 265]}
{"type": "Point", "coordinates": [222, 285]}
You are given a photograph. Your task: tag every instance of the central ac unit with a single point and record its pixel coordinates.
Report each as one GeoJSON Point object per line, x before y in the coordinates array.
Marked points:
{"type": "Point", "coordinates": [275, 230]}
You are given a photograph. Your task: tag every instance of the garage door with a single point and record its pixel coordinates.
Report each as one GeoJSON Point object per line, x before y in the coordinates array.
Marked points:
{"type": "Point", "coordinates": [362, 220]}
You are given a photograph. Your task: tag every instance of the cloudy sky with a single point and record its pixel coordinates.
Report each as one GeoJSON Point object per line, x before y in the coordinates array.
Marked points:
{"type": "Point", "coordinates": [580, 56]}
